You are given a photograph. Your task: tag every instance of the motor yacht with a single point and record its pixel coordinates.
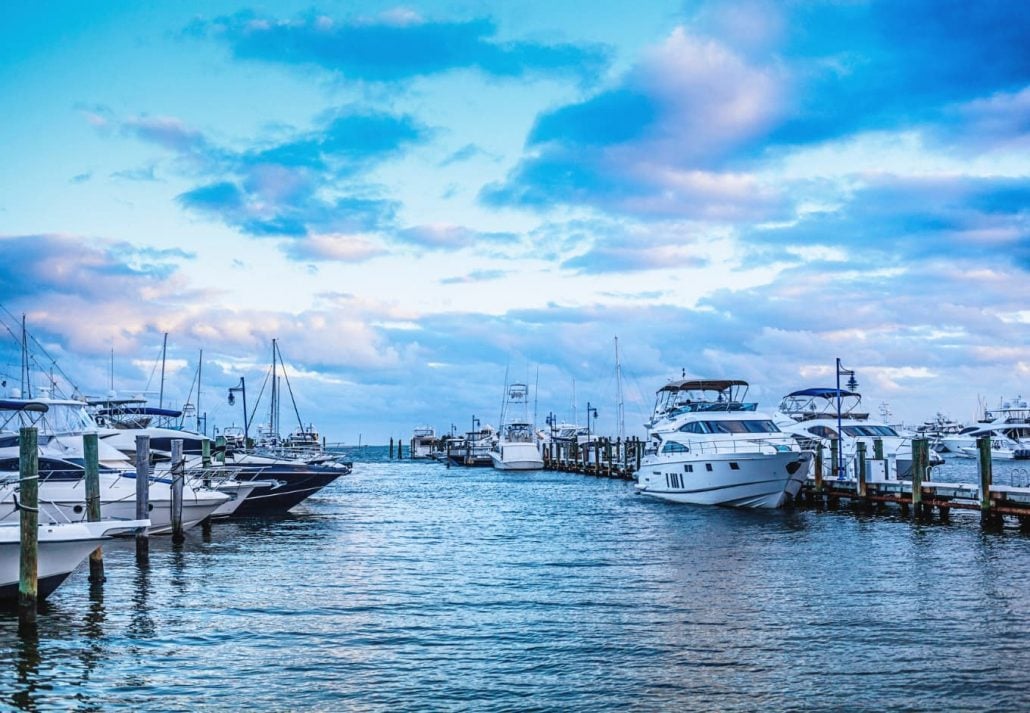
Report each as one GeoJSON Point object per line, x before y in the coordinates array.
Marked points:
{"type": "Point", "coordinates": [811, 416]}
{"type": "Point", "coordinates": [423, 442]}
{"type": "Point", "coordinates": [708, 446]}
{"type": "Point", "coordinates": [1008, 427]}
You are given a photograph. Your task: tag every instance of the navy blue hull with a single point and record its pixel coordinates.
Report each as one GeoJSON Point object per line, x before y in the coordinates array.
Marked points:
{"type": "Point", "coordinates": [293, 484]}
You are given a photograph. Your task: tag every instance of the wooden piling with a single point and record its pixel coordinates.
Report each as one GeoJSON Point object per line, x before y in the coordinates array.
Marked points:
{"type": "Point", "coordinates": [205, 453]}
{"type": "Point", "coordinates": [819, 469]}
{"type": "Point", "coordinates": [91, 464]}
{"type": "Point", "coordinates": [878, 448]}
{"type": "Point", "coordinates": [637, 448]}
{"type": "Point", "coordinates": [178, 478]}
{"type": "Point", "coordinates": [918, 469]}
{"type": "Point", "coordinates": [28, 503]}
{"type": "Point", "coordinates": [834, 459]}
{"type": "Point", "coordinates": [988, 518]}
{"type": "Point", "coordinates": [142, 497]}
{"type": "Point", "coordinates": [860, 474]}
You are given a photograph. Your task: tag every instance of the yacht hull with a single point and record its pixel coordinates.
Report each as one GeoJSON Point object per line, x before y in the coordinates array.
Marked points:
{"type": "Point", "coordinates": [516, 455]}
{"type": "Point", "coordinates": [289, 487]}
{"type": "Point", "coordinates": [758, 480]}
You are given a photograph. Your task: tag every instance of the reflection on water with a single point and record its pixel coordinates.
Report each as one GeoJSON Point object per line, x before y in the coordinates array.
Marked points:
{"type": "Point", "coordinates": [409, 586]}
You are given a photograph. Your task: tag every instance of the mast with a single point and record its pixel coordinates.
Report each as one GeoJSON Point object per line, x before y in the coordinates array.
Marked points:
{"type": "Point", "coordinates": [112, 370]}
{"type": "Point", "coordinates": [200, 368]}
{"type": "Point", "coordinates": [273, 410]}
{"type": "Point", "coordinates": [536, 394]}
{"type": "Point", "coordinates": [620, 403]}
{"type": "Point", "coordinates": [26, 386]}
{"type": "Point", "coordinates": [164, 354]}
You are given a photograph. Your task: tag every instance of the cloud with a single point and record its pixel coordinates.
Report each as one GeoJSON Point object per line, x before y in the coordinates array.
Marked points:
{"type": "Point", "coordinates": [466, 152]}
{"type": "Point", "coordinates": [657, 144]}
{"type": "Point", "coordinates": [81, 177]}
{"type": "Point", "coordinates": [398, 46]}
{"type": "Point", "coordinates": [475, 276]}
{"type": "Point", "coordinates": [449, 237]}
{"type": "Point", "coordinates": [336, 248]}
{"type": "Point", "coordinates": [143, 173]}
{"type": "Point", "coordinates": [308, 183]}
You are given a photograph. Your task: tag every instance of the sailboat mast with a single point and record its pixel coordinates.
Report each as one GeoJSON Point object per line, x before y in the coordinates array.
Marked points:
{"type": "Point", "coordinates": [112, 370]}
{"type": "Point", "coordinates": [273, 420]}
{"type": "Point", "coordinates": [26, 386]}
{"type": "Point", "coordinates": [200, 370]}
{"type": "Point", "coordinates": [164, 354]}
{"type": "Point", "coordinates": [620, 403]}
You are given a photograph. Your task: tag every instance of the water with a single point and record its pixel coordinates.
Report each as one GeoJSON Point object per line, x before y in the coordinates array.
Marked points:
{"type": "Point", "coordinates": [407, 586]}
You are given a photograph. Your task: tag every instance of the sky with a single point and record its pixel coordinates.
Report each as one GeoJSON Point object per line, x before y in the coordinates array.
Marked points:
{"type": "Point", "coordinates": [420, 201]}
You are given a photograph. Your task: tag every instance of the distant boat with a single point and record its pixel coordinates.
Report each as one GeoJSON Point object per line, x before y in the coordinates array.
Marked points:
{"type": "Point", "coordinates": [516, 447]}
{"type": "Point", "coordinates": [423, 442]}
{"type": "Point", "coordinates": [1008, 427]}
{"type": "Point", "coordinates": [708, 446]}
{"type": "Point", "coordinates": [473, 450]}
{"type": "Point", "coordinates": [937, 429]}
{"type": "Point", "coordinates": [61, 548]}
{"type": "Point", "coordinates": [810, 415]}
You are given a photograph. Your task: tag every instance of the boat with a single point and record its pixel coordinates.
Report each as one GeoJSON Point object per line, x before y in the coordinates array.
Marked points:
{"type": "Point", "coordinates": [812, 417]}
{"type": "Point", "coordinates": [1008, 427]}
{"type": "Point", "coordinates": [60, 424]}
{"type": "Point", "coordinates": [516, 447]}
{"type": "Point", "coordinates": [423, 442]}
{"type": "Point", "coordinates": [473, 450]}
{"type": "Point", "coordinates": [708, 446]}
{"type": "Point", "coordinates": [61, 548]}
{"type": "Point", "coordinates": [937, 429]}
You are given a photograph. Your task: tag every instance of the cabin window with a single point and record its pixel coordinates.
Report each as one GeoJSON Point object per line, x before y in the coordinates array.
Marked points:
{"type": "Point", "coordinates": [822, 432]}
{"type": "Point", "coordinates": [730, 426]}
{"type": "Point", "coordinates": [708, 467]}
{"type": "Point", "coordinates": [673, 447]}
{"type": "Point", "coordinates": [734, 466]}
{"type": "Point", "coordinates": [688, 468]}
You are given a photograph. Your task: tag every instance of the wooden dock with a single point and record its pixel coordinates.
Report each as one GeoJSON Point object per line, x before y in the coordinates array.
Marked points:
{"type": "Point", "coordinates": [603, 457]}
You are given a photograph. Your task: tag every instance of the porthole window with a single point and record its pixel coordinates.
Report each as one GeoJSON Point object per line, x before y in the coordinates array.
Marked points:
{"type": "Point", "coordinates": [77, 509]}
{"type": "Point", "coordinates": [708, 466]}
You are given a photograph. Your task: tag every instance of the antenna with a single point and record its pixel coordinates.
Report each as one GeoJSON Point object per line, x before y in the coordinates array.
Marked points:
{"type": "Point", "coordinates": [164, 354]}
{"type": "Point", "coordinates": [536, 393]}
{"type": "Point", "coordinates": [200, 369]}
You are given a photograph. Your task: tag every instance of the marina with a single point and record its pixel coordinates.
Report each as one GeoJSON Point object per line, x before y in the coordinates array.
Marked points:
{"type": "Point", "coordinates": [409, 585]}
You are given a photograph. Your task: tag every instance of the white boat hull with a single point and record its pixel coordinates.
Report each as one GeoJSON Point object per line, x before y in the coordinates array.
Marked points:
{"type": "Point", "coordinates": [61, 548]}
{"type": "Point", "coordinates": [517, 456]}
{"type": "Point", "coordinates": [759, 480]}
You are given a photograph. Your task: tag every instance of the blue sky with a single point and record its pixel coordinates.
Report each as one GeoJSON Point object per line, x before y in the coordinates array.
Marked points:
{"type": "Point", "coordinates": [415, 198]}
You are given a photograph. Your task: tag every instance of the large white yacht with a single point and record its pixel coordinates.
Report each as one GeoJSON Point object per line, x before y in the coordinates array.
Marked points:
{"type": "Point", "coordinates": [423, 441]}
{"type": "Point", "coordinates": [1008, 427]}
{"type": "Point", "coordinates": [708, 446]}
{"type": "Point", "coordinates": [517, 447]}
{"type": "Point", "coordinates": [811, 416]}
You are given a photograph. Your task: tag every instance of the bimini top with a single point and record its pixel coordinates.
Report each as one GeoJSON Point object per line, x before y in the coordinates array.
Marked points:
{"type": "Point", "coordinates": [19, 405]}
{"type": "Point", "coordinates": [821, 393]}
{"type": "Point", "coordinates": [140, 411]}
{"type": "Point", "coordinates": [702, 385]}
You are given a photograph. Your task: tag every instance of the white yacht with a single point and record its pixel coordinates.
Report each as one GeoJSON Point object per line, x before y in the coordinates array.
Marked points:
{"type": "Point", "coordinates": [516, 447]}
{"type": "Point", "coordinates": [708, 446]}
{"type": "Point", "coordinates": [61, 548]}
{"type": "Point", "coordinates": [1008, 427]}
{"type": "Point", "coordinates": [60, 424]}
{"type": "Point", "coordinates": [811, 416]}
{"type": "Point", "coordinates": [937, 429]}
{"type": "Point", "coordinates": [423, 442]}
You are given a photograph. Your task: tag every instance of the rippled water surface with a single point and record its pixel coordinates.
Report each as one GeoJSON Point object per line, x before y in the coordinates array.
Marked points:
{"type": "Point", "coordinates": [411, 586]}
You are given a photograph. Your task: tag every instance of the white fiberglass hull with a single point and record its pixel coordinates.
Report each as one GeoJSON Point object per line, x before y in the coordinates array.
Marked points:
{"type": "Point", "coordinates": [517, 456]}
{"type": "Point", "coordinates": [996, 453]}
{"type": "Point", "coordinates": [64, 502]}
{"type": "Point", "coordinates": [60, 550]}
{"type": "Point", "coordinates": [758, 480]}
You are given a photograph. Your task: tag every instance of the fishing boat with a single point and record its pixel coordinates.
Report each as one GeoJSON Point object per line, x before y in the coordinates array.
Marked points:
{"type": "Point", "coordinates": [708, 446]}
{"type": "Point", "coordinates": [61, 548]}
{"type": "Point", "coordinates": [516, 447]}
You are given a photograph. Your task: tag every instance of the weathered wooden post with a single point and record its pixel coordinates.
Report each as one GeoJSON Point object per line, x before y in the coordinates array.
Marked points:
{"type": "Point", "coordinates": [178, 478]}
{"type": "Point", "coordinates": [918, 469]}
{"type": "Point", "coordinates": [834, 459]}
{"type": "Point", "coordinates": [988, 518]}
{"type": "Point", "coordinates": [91, 464]}
{"type": "Point", "coordinates": [391, 447]}
{"type": "Point", "coordinates": [220, 448]}
{"type": "Point", "coordinates": [860, 475]}
{"type": "Point", "coordinates": [205, 453]}
{"type": "Point", "coordinates": [142, 497]}
{"type": "Point", "coordinates": [400, 449]}
{"type": "Point", "coordinates": [818, 465]}
{"type": "Point", "coordinates": [28, 489]}
{"type": "Point", "coordinates": [608, 456]}
{"type": "Point", "coordinates": [637, 448]}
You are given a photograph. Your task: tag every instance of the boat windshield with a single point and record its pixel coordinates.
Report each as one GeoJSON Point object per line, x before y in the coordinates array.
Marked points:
{"type": "Point", "coordinates": [748, 426]}
{"type": "Point", "coordinates": [58, 418]}
{"type": "Point", "coordinates": [867, 430]}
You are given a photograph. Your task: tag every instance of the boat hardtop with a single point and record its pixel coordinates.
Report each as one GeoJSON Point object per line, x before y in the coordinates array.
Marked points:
{"type": "Point", "coordinates": [819, 403]}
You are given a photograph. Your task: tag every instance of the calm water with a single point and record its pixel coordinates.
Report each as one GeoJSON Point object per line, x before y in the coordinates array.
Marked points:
{"type": "Point", "coordinates": [410, 586]}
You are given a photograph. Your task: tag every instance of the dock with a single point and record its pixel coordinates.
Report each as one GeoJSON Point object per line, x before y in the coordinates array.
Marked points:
{"type": "Point", "coordinates": [604, 457]}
